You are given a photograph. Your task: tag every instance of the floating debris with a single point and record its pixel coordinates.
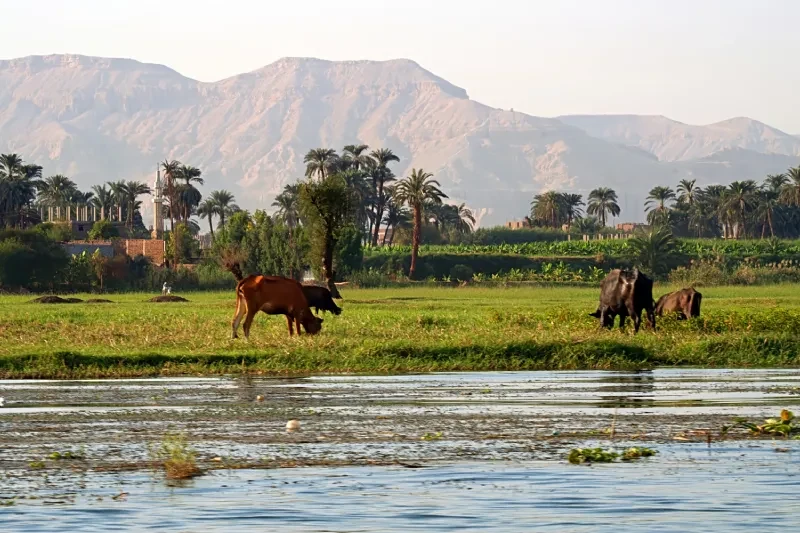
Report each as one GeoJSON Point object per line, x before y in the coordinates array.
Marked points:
{"type": "Point", "coordinates": [292, 425]}
{"type": "Point", "coordinates": [784, 425]}
{"type": "Point", "coordinates": [598, 455]}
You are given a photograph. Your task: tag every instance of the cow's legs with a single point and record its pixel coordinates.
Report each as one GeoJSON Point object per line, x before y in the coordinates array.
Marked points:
{"type": "Point", "coordinates": [241, 307]}
{"type": "Point", "coordinates": [248, 321]}
{"type": "Point", "coordinates": [604, 322]}
{"type": "Point", "coordinates": [622, 322]}
{"type": "Point", "coordinates": [297, 325]}
{"type": "Point", "coordinates": [651, 317]}
{"type": "Point", "coordinates": [289, 323]}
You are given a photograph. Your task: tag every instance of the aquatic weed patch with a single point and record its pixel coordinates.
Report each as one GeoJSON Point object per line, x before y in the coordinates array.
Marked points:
{"type": "Point", "coordinates": [783, 425]}
{"type": "Point", "coordinates": [599, 455]}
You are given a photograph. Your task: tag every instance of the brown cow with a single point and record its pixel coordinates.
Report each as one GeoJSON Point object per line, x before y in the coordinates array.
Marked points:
{"type": "Point", "coordinates": [685, 302]}
{"type": "Point", "coordinates": [275, 296]}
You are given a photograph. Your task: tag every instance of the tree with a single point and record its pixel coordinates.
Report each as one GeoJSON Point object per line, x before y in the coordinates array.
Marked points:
{"type": "Point", "coordinates": [548, 208]}
{"type": "Point", "coordinates": [171, 171]}
{"type": "Point", "coordinates": [381, 175]}
{"type": "Point", "coordinates": [740, 199]}
{"type": "Point", "coordinates": [465, 220]}
{"type": "Point", "coordinates": [131, 191]}
{"type": "Point", "coordinates": [354, 156]}
{"type": "Point", "coordinates": [687, 192]}
{"type": "Point", "coordinates": [766, 207]}
{"type": "Point", "coordinates": [103, 200]}
{"type": "Point", "coordinates": [320, 161]}
{"type": "Point", "coordinates": [603, 202]}
{"type": "Point", "coordinates": [188, 196]}
{"type": "Point", "coordinates": [587, 225]}
{"type": "Point", "coordinates": [208, 209]}
{"type": "Point", "coordinates": [656, 204]}
{"type": "Point", "coordinates": [573, 204]}
{"type": "Point", "coordinates": [775, 182]}
{"type": "Point", "coordinates": [102, 230]}
{"type": "Point", "coordinates": [18, 184]}
{"type": "Point", "coordinates": [790, 194]}
{"type": "Point", "coordinates": [327, 205]}
{"type": "Point", "coordinates": [414, 191]}
{"type": "Point", "coordinates": [653, 251]}
{"type": "Point", "coordinates": [223, 201]}
{"type": "Point", "coordinates": [396, 217]}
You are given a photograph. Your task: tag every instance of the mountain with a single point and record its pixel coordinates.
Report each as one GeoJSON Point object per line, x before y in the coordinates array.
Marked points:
{"type": "Point", "coordinates": [670, 140]}
{"type": "Point", "coordinates": [98, 119]}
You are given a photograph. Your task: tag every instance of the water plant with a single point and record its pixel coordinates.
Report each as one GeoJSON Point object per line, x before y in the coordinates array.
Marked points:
{"type": "Point", "coordinates": [177, 457]}
{"type": "Point", "coordinates": [599, 455]}
{"type": "Point", "coordinates": [782, 425]}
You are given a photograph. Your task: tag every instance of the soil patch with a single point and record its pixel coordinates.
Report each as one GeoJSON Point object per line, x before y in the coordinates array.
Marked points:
{"type": "Point", "coordinates": [167, 298]}
{"type": "Point", "coordinates": [98, 301]}
{"type": "Point", "coordinates": [53, 299]}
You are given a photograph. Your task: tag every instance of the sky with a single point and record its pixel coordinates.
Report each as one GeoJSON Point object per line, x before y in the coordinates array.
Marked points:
{"type": "Point", "coordinates": [697, 61]}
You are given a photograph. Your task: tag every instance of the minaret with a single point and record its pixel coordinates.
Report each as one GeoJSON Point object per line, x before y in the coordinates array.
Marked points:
{"type": "Point", "coordinates": [158, 211]}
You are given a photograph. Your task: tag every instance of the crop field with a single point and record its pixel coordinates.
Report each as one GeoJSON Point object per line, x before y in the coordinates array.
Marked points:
{"type": "Point", "coordinates": [394, 330]}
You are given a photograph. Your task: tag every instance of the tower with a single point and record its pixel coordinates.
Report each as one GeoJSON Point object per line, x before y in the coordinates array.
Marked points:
{"type": "Point", "coordinates": [158, 211]}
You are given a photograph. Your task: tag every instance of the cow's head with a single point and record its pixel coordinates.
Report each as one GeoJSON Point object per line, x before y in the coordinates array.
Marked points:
{"type": "Point", "coordinates": [312, 324]}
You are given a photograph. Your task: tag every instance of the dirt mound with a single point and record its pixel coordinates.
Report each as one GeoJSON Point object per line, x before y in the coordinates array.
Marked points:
{"type": "Point", "coordinates": [53, 299]}
{"type": "Point", "coordinates": [167, 298]}
{"type": "Point", "coordinates": [98, 301]}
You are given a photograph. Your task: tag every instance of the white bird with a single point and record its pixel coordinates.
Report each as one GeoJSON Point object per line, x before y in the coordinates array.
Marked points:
{"type": "Point", "coordinates": [292, 425]}
{"type": "Point", "coordinates": [2, 401]}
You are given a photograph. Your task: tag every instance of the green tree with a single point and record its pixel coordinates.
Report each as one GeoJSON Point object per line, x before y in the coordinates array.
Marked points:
{"type": "Point", "coordinates": [18, 184]}
{"type": "Point", "coordinates": [603, 202]}
{"type": "Point", "coordinates": [355, 156]}
{"type": "Point", "coordinates": [381, 175]}
{"type": "Point", "coordinates": [739, 200]}
{"type": "Point", "coordinates": [688, 192]}
{"type": "Point", "coordinates": [188, 196]}
{"type": "Point", "coordinates": [653, 251]}
{"type": "Point", "coordinates": [171, 170]}
{"type": "Point", "coordinates": [208, 209]}
{"type": "Point", "coordinates": [327, 206]}
{"type": "Point", "coordinates": [320, 161]}
{"type": "Point", "coordinates": [414, 191]}
{"type": "Point", "coordinates": [224, 202]}
{"type": "Point", "coordinates": [102, 230]}
{"type": "Point", "coordinates": [548, 208]}
{"type": "Point", "coordinates": [573, 207]}
{"type": "Point", "coordinates": [656, 204]}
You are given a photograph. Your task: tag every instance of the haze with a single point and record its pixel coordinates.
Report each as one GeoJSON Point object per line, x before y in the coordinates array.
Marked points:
{"type": "Point", "coordinates": [694, 61]}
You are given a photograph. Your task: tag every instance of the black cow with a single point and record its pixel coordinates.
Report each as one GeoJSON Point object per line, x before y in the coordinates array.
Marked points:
{"type": "Point", "coordinates": [320, 298]}
{"type": "Point", "coordinates": [685, 303]}
{"type": "Point", "coordinates": [625, 293]}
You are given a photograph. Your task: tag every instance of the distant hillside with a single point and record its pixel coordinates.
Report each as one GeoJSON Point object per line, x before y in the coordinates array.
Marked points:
{"type": "Point", "coordinates": [97, 119]}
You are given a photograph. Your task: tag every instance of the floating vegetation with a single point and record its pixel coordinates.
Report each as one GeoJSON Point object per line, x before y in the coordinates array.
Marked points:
{"type": "Point", "coordinates": [432, 436]}
{"type": "Point", "coordinates": [177, 457]}
{"type": "Point", "coordinates": [598, 455]}
{"type": "Point", "coordinates": [783, 425]}
{"type": "Point", "coordinates": [65, 456]}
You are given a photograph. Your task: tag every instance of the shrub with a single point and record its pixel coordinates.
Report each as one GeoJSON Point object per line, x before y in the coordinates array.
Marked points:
{"type": "Point", "coordinates": [103, 230]}
{"type": "Point", "coordinates": [461, 273]}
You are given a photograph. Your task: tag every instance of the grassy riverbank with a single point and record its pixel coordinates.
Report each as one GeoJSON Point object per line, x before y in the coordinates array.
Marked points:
{"type": "Point", "coordinates": [393, 330]}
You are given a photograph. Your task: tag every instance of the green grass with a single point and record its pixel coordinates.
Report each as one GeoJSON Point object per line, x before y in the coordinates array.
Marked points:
{"type": "Point", "coordinates": [394, 330]}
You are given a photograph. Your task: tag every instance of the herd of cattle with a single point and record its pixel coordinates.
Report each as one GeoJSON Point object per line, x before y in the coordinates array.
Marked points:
{"type": "Point", "coordinates": [623, 294]}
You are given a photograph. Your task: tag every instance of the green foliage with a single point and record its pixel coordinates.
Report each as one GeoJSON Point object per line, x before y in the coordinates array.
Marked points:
{"type": "Point", "coordinates": [502, 235]}
{"type": "Point", "coordinates": [188, 247]}
{"type": "Point", "coordinates": [783, 425]}
{"type": "Point", "coordinates": [30, 259]}
{"type": "Point", "coordinates": [461, 273]}
{"type": "Point", "coordinates": [653, 251]}
{"type": "Point", "coordinates": [349, 252]}
{"type": "Point", "coordinates": [56, 231]}
{"type": "Point", "coordinates": [591, 455]}
{"type": "Point", "coordinates": [178, 459]}
{"type": "Point", "coordinates": [103, 230]}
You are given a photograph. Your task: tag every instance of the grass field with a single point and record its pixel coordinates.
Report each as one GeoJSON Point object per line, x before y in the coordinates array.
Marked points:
{"type": "Point", "coordinates": [393, 330]}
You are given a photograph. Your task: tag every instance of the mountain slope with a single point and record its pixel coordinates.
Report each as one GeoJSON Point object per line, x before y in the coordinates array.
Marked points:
{"type": "Point", "coordinates": [670, 140]}
{"type": "Point", "coordinates": [99, 119]}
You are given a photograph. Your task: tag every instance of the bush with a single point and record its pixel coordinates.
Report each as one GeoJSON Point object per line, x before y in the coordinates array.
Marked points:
{"type": "Point", "coordinates": [30, 259]}
{"type": "Point", "coordinates": [503, 235]}
{"type": "Point", "coordinates": [461, 273]}
{"type": "Point", "coordinates": [103, 230]}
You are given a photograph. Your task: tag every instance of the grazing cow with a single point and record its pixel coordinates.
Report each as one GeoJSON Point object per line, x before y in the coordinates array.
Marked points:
{"type": "Point", "coordinates": [274, 296]}
{"type": "Point", "coordinates": [685, 302]}
{"type": "Point", "coordinates": [625, 293]}
{"type": "Point", "coordinates": [320, 298]}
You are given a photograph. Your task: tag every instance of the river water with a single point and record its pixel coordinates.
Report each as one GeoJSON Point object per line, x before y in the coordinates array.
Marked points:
{"type": "Point", "coordinates": [434, 452]}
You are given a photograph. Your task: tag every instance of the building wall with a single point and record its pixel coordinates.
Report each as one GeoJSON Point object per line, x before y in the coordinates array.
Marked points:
{"type": "Point", "coordinates": [78, 247]}
{"type": "Point", "coordinates": [154, 249]}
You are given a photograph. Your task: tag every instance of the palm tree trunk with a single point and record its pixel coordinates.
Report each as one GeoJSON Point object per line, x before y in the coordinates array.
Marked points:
{"type": "Point", "coordinates": [211, 225]}
{"type": "Point", "coordinates": [378, 214]}
{"type": "Point", "coordinates": [769, 219]}
{"type": "Point", "coordinates": [415, 239]}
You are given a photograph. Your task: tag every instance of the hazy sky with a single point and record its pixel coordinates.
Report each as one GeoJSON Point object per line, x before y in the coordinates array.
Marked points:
{"type": "Point", "coordinates": [697, 61]}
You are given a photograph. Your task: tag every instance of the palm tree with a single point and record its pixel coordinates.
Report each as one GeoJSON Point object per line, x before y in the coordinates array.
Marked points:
{"type": "Point", "coordinates": [189, 197]}
{"type": "Point", "coordinates": [775, 182]}
{"type": "Point", "coordinates": [103, 200]}
{"type": "Point", "coordinates": [119, 194]}
{"type": "Point", "coordinates": [288, 204]}
{"type": "Point", "coordinates": [414, 191]}
{"type": "Point", "coordinates": [320, 161]}
{"type": "Point", "coordinates": [18, 184]}
{"type": "Point", "coordinates": [790, 194]}
{"type": "Point", "coordinates": [381, 175]}
{"type": "Point", "coordinates": [354, 156]}
{"type": "Point", "coordinates": [688, 192]}
{"type": "Point", "coordinates": [208, 209]}
{"type": "Point", "coordinates": [57, 191]}
{"type": "Point", "coordinates": [465, 220]}
{"type": "Point", "coordinates": [548, 208]}
{"type": "Point", "coordinates": [131, 191]}
{"type": "Point", "coordinates": [171, 171]}
{"type": "Point", "coordinates": [572, 205]}
{"type": "Point", "coordinates": [602, 202]}
{"type": "Point", "coordinates": [396, 217]}
{"type": "Point", "coordinates": [652, 250]}
{"type": "Point", "coordinates": [657, 200]}
{"type": "Point", "coordinates": [223, 200]}
{"type": "Point", "coordinates": [741, 196]}
{"type": "Point", "coordinates": [766, 209]}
